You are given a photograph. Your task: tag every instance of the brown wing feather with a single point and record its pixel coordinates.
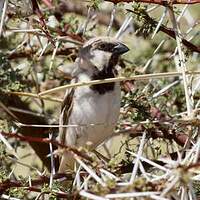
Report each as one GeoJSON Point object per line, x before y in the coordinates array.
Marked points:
{"type": "Point", "coordinates": [66, 109]}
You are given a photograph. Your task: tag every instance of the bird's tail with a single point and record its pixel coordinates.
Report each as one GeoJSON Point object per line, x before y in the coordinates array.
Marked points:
{"type": "Point", "coordinates": [67, 162]}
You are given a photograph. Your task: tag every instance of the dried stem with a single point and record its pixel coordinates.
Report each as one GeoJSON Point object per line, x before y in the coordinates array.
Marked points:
{"type": "Point", "coordinates": [189, 103]}
{"type": "Point", "coordinates": [118, 79]}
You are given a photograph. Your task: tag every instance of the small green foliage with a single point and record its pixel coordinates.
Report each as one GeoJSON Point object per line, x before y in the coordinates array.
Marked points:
{"type": "Point", "coordinates": [98, 189]}
{"type": "Point", "coordinates": [48, 190]}
{"type": "Point", "coordinates": [17, 192]}
{"type": "Point", "coordinates": [177, 10]}
{"type": "Point", "coordinates": [142, 185]}
{"type": "Point", "coordinates": [2, 151]}
{"type": "Point", "coordinates": [146, 24]}
{"type": "Point", "coordinates": [137, 106]}
{"type": "Point", "coordinates": [3, 174]}
{"type": "Point", "coordinates": [52, 196]}
{"type": "Point", "coordinates": [74, 23]}
{"type": "Point", "coordinates": [111, 183]}
{"type": "Point", "coordinates": [45, 188]}
{"type": "Point", "coordinates": [174, 97]}
{"type": "Point", "coordinates": [94, 4]}
{"type": "Point", "coordinates": [20, 8]}
{"type": "Point", "coordinates": [10, 79]}
{"type": "Point", "coordinates": [57, 185]}
{"type": "Point", "coordinates": [196, 185]}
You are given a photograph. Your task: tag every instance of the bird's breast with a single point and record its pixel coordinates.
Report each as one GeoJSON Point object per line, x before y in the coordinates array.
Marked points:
{"type": "Point", "coordinates": [97, 114]}
{"type": "Point", "coordinates": [96, 107]}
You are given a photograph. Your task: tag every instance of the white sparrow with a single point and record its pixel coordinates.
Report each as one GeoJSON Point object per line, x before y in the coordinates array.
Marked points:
{"type": "Point", "coordinates": [94, 108]}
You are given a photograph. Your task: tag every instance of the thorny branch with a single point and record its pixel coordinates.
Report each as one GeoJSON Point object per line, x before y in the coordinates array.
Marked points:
{"type": "Point", "coordinates": [170, 32]}
{"type": "Point", "coordinates": [47, 141]}
{"type": "Point", "coordinates": [160, 2]}
{"type": "Point", "coordinates": [182, 166]}
{"type": "Point", "coordinates": [31, 53]}
{"type": "Point", "coordinates": [38, 12]}
{"type": "Point", "coordinates": [7, 184]}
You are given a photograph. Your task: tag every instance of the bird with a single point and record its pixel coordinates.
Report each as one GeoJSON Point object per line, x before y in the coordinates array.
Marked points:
{"type": "Point", "coordinates": [91, 111]}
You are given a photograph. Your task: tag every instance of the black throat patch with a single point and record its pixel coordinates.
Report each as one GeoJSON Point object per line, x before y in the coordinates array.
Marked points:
{"type": "Point", "coordinates": [107, 72]}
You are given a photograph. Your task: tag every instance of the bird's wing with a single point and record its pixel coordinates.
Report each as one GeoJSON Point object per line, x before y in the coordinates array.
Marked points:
{"type": "Point", "coordinates": [66, 159]}
{"type": "Point", "coordinates": [66, 109]}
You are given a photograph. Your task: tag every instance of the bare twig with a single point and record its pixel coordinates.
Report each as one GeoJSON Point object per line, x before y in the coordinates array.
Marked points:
{"type": "Point", "coordinates": [4, 7]}
{"type": "Point", "coordinates": [182, 61]}
{"type": "Point", "coordinates": [47, 141]}
{"type": "Point", "coordinates": [118, 79]}
{"type": "Point", "coordinates": [111, 19]}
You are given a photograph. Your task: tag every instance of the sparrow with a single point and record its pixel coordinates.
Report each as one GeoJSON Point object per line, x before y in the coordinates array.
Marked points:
{"type": "Point", "coordinates": [91, 112]}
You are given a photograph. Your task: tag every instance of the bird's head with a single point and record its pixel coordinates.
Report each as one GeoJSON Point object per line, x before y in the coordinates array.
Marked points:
{"type": "Point", "coordinates": [101, 53]}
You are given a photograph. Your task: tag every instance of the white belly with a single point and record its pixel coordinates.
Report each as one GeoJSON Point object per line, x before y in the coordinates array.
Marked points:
{"type": "Point", "coordinates": [96, 114]}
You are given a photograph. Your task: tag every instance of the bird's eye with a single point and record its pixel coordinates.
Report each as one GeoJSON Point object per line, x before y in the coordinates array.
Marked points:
{"type": "Point", "coordinates": [102, 46]}
{"type": "Point", "coordinates": [108, 47]}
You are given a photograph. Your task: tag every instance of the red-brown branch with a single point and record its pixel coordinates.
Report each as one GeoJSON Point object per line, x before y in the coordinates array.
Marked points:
{"type": "Point", "coordinates": [37, 182]}
{"type": "Point", "coordinates": [170, 32]}
{"type": "Point", "coordinates": [28, 53]}
{"type": "Point", "coordinates": [37, 11]}
{"type": "Point", "coordinates": [48, 141]}
{"type": "Point", "coordinates": [159, 132]}
{"type": "Point", "coordinates": [160, 2]}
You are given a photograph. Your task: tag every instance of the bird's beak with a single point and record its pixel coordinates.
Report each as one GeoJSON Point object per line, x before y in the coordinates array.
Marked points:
{"type": "Point", "coordinates": [120, 49]}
